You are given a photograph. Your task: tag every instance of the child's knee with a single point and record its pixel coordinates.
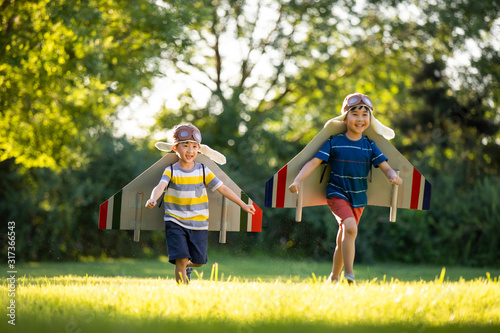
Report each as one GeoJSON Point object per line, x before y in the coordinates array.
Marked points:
{"type": "Point", "coordinates": [196, 265]}
{"type": "Point", "coordinates": [181, 262]}
{"type": "Point", "coordinates": [350, 227]}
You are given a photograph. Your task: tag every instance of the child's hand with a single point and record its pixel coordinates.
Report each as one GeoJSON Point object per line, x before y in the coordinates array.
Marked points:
{"type": "Point", "coordinates": [294, 188]}
{"type": "Point", "coordinates": [396, 180]}
{"type": "Point", "coordinates": [249, 209]}
{"type": "Point", "coordinates": [150, 203]}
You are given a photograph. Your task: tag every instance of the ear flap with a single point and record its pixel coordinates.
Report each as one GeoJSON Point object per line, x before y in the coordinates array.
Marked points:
{"type": "Point", "coordinates": [381, 129]}
{"type": "Point", "coordinates": [164, 146]}
{"type": "Point", "coordinates": [214, 155]}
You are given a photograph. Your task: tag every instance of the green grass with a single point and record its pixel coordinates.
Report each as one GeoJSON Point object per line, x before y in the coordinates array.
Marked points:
{"type": "Point", "coordinates": [250, 295]}
{"type": "Point", "coordinates": [248, 268]}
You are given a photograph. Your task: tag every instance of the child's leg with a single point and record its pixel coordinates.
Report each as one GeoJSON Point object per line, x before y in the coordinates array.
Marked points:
{"type": "Point", "coordinates": [180, 270]}
{"type": "Point", "coordinates": [338, 261]}
{"type": "Point", "coordinates": [348, 219]}
{"type": "Point", "coordinates": [350, 231]}
{"type": "Point", "coordinates": [191, 264]}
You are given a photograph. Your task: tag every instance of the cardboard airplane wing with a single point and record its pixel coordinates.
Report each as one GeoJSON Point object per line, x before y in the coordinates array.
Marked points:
{"type": "Point", "coordinates": [414, 193]}
{"type": "Point", "coordinates": [125, 209]}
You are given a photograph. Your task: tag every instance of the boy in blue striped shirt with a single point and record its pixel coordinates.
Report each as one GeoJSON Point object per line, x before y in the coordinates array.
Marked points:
{"type": "Point", "coordinates": [350, 156]}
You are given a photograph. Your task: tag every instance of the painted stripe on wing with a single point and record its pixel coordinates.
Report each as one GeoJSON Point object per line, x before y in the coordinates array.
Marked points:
{"type": "Point", "coordinates": [415, 189]}
{"type": "Point", "coordinates": [103, 215]}
{"type": "Point", "coordinates": [109, 220]}
{"type": "Point", "coordinates": [268, 199]}
{"type": "Point", "coordinates": [244, 215]}
{"type": "Point", "coordinates": [275, 189]}
{"type": "Point", "coordinates": [256, 219]}
{"type": "Point", "coordinates": [427, 196]}
{"type": "Point", "coordinates": [281, 187]}
{"type": "Point", "coordinates": [117, 210]}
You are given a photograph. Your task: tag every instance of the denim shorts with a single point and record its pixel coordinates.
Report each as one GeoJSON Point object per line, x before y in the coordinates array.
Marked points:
{"type": "Point", "coordinates": [186, 243]}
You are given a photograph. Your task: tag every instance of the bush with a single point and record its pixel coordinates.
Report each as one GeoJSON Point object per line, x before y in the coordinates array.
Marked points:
{"type": "Point", "coordinates": [461, 228]}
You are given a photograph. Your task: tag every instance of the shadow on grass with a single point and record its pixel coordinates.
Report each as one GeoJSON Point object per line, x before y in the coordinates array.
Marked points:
{"type": "Point", "coordinates": [152, 325]}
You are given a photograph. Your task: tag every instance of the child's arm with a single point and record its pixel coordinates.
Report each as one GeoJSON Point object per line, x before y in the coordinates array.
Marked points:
{"type": "Point", "coordinates": [155, 194]}
{"type": "Point", "coordinates": [304, 173]}
{"type": "Point", "coordinates": [390, 173]}
{"type": "Point", "coordinates": [228, 193]}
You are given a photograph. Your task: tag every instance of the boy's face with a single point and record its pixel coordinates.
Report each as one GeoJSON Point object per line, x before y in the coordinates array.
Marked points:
{"type": "Point", "coordinates": [187, 151]}
{"type": "Point", "coordinates": [357, 119]}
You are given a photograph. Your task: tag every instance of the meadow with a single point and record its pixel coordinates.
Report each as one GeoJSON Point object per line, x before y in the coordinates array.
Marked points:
{"type": "Point", "coordinates": [250, 295]}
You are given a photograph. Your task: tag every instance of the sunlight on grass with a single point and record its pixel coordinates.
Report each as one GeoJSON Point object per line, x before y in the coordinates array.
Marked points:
{"type": "Point", "coordinates": [84, 304]}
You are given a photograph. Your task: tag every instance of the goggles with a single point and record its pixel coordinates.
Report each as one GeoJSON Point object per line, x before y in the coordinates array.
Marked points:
{"type": "Point", "coordinates": [358, 99]}
{"type": "Point", "coordinates": [187, 133]}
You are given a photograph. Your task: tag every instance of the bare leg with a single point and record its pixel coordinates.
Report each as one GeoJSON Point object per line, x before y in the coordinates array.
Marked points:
{"type": "Point", "coordinates": [350, 231]}
{"type": "Point", "coordinates": [338, 261]}
{"type": "Point", "coordinates": [180, 270]}
{"type": "Point", "coordinates": [190, 264]}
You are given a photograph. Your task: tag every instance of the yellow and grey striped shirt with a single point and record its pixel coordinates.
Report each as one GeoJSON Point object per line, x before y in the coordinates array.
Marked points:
{"type": "Point", "coordinates": [186, 200]}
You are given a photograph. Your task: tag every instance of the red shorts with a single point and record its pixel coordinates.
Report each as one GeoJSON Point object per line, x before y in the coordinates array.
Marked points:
{"type": "Point", "coordinates": [343, 210]}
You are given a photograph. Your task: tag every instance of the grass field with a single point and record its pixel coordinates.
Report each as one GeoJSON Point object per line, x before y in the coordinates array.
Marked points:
{"type": "Point", "coordinates": [250, 295]}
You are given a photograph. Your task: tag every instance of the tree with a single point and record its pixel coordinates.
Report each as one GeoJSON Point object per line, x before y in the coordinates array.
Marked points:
{"type": "Point", "coordinates": [460, 101]}
{"type": "Point", "coordinates": [66, 66]}
{"type": "Point", "coordinates": [56, 211]}
{"type": "Point", "coordinates": [319, 51]}
{"type": "Point", "coordinates": [272, 69]}
{"type": "Point", "coordinates": [275, 71]}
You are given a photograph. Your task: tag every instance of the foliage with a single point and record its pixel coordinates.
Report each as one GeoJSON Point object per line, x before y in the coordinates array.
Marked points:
{"type": "Point", "coordinates": [65, 67]}
{"type": "Point", "coordinates": [56, 212]}
{"type": "Point", "coordinates": [462, 231]}
{"type": "Point", "coordinates": [275, 72]}
{"type": "Point", "coordinates": [399, 53]}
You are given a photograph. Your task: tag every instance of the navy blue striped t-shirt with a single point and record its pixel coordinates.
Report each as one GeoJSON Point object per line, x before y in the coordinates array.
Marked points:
{"type": "Point", "coordinates": [350, 163]}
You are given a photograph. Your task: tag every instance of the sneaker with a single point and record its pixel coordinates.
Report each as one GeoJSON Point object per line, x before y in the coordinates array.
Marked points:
{"type": "Point", "coordinates": [188, 273]}
{"type": "Point", "coordinates": [349, 277]}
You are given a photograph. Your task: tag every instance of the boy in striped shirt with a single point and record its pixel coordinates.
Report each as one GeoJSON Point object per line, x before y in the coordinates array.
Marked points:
{"type": "Point", "coordinates": [186, 203]}
{"type": "Point", "coordinates": [350, 156]}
